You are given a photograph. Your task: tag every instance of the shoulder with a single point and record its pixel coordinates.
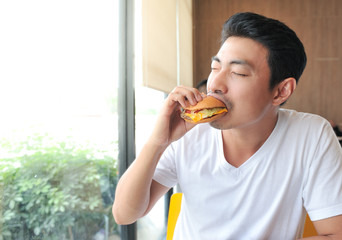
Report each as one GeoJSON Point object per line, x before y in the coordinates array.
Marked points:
{"type": "Point", "coordinates": [197, 138]}
{"type": "Point", "coordinates": [306, 130]}
{"type": "Point", "coordinates": [302, 120]}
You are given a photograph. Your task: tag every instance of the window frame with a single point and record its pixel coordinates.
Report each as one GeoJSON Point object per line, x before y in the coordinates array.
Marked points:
{"type": "Point", "coordinates": [126, 104]}
{"type": "Point", "coordinates": [126, 99]}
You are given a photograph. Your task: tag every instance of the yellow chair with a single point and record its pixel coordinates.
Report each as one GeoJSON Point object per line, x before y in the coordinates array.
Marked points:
{"type": "Point", "coordinates": [309, 229]}
{"type": "Point", "coordinates": [174, 209]}
{"type": "Point", "coordinates": [175, 206]}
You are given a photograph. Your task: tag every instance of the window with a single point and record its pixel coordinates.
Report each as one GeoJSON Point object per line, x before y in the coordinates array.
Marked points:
{"type": "Point", "coordinates": [58, 101]}
{"type": "Point", "coordinates": [148, 103]}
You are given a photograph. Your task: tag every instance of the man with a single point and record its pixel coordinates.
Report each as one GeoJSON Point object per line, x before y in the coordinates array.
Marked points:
{"type": "Point", "coordinates": [255, 172]}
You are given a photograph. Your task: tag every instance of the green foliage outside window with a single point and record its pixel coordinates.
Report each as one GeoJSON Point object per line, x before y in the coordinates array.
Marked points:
{"type": "Point", "coordinates": [55, 190]}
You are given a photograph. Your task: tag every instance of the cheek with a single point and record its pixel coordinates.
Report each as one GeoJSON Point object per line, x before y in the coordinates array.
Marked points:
{"type": "Point", "coordinates": [252, 101]}
{"type": "Point", "coordinates": [256, 93]}
{"type": "Point", "coordinates": [243, 94]}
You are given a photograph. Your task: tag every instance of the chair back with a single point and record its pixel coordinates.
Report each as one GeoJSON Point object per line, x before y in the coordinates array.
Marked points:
{"type": "Point", "coordinates": [174, 209]}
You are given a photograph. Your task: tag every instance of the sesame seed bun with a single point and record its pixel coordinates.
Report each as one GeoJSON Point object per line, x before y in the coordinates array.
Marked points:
{"type": "Point", "coordinates": [207, 102]}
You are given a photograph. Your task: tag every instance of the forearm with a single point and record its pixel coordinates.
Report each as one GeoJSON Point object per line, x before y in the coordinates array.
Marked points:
{"type": "Point", "coordinates": [132, 197]}
{"type": "Point", "coordinates": [136, 193]}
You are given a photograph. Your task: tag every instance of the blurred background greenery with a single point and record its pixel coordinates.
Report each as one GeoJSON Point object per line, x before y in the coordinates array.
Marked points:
{"type": "Point", "coordinates": [56, 190]}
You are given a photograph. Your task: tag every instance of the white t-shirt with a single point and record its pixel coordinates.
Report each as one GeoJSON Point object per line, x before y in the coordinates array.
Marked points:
{"type": "Point", "coordinates": [298, 169]}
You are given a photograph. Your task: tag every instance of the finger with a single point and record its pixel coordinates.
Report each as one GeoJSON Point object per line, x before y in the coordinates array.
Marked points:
{"type": "Point", "coordinates": [181, 99]}
{"type": "Point", "coordinates": [187, 96]}
{"type": "Point", "coordinates": [198, 95]}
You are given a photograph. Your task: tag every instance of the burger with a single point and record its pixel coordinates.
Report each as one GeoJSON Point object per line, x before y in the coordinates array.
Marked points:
{"type": "Point", "coordinates": [207, 110]}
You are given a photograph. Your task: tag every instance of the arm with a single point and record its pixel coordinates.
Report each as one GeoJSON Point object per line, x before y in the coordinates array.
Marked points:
{"type": "Point", "coordinates": [330, 228]}
{"type": "Point", "coordinates": [136, 192]}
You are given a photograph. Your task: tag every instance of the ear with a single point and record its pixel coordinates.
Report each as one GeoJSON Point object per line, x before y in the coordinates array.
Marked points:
{"type": "Point", "coordinates": [283, 91]}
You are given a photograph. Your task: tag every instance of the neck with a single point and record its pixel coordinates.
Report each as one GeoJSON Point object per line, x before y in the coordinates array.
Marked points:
{"type": "Point", "coordinates": [239, 144]}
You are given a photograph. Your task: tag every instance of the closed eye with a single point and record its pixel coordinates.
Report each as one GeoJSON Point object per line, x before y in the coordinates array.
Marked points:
{"type": "Point", "coordinates": [240, 74]}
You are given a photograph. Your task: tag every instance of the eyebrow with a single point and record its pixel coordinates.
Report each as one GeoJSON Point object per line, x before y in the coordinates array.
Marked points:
{"type": "Point", "coordinates": [238, 62]}
{"type": "Point", "coordinates": [215, 58]}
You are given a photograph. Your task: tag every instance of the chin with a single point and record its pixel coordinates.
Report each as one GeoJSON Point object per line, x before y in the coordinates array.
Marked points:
{"type": "Point", "coordinates": [219, 124]}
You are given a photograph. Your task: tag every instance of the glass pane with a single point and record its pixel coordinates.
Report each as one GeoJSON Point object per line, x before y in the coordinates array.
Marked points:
{"type": "Point", "coordinates": [148, 103]}
{"type": "Point", "coordinates": [58, 132]}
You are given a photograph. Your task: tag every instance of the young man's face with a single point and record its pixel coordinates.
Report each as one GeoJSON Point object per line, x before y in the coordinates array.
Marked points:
{"type": "Point", "coordinates": [240, 77]}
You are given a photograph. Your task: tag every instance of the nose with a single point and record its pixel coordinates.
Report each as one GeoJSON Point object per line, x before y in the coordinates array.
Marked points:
{"type": "Point", "coordinates": [217, 82]}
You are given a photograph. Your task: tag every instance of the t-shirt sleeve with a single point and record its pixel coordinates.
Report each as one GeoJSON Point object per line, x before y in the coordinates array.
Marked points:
{"type": "Point", "coordinates": [322, 192]}
{"type": "Point", "coordinates": [165, 172]}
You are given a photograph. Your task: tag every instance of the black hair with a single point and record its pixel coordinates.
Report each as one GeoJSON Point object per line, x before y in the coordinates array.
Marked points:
{"type": "Point", "coordinates": [202, 83]}
{"type": "Point", "coordinates": [286, 54]}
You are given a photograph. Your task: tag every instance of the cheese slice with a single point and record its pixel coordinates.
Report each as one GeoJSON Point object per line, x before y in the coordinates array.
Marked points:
{"type": "Point", "coordinates": [204, 113]}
